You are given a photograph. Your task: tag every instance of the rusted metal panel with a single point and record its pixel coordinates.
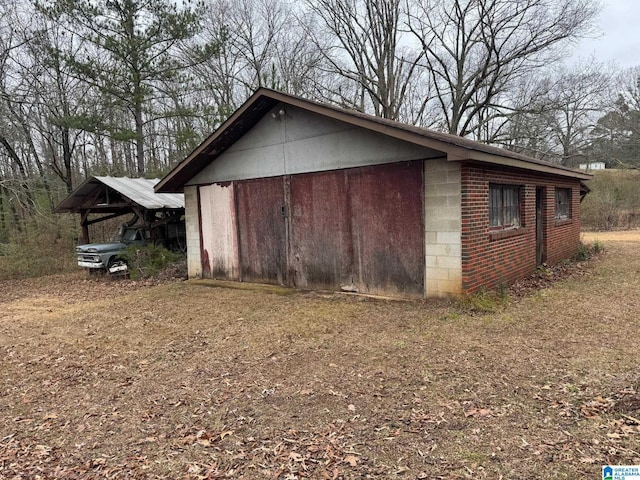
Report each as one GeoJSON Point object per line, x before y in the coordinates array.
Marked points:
{"type": "Point", "coordinates": [387, 228]}
{"type": "Point", "coordinates": [219, 245]}
{"type": "Point", "coordinates": [359, 229]}
{"type": "Point", "coordinates": [321, 246]}
{"type": "Point", "coordinates": [262, 234]}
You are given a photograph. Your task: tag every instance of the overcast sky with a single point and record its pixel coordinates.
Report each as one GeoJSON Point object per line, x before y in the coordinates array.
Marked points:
{"type": "Point", "coordinates": [619, 39]}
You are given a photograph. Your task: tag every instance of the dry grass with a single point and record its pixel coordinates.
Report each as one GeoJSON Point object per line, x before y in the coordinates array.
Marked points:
{"type": "Point", "coordinates": [187, 381]}
{"type": "Point", "coordinates": [615, 236]}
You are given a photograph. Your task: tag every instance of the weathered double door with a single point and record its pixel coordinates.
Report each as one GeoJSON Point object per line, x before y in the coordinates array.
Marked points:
{"type": "Point", "coordinates": [358, 229]}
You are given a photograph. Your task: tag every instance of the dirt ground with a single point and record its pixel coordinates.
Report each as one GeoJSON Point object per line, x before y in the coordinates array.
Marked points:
{"type": "Point", "coordinates": [117, 380]}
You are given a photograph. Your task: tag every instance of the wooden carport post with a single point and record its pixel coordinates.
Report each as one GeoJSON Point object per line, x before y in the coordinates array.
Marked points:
{"type": "Point", "coordinates": [84, 215]}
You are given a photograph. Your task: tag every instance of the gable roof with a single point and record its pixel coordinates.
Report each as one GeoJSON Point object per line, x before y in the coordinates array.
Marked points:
{"type": "Point", "coordinates": [263, 100]}
{"type": "Point", "coordinates": [135, 191]}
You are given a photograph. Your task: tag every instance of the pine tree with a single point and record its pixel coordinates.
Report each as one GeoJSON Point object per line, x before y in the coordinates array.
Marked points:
{"type": "Point", "coordinates": [132, 48]}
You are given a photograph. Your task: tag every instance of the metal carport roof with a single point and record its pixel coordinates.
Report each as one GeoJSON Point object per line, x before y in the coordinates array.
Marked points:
{"type": "Point", "coordinates": [93, 195]}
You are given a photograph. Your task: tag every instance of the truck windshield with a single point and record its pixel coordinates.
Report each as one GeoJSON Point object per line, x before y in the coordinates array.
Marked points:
{"type": "Point", "coordinates": [118, 236]}
{"type": "Point", "coordinates": [127, 235]}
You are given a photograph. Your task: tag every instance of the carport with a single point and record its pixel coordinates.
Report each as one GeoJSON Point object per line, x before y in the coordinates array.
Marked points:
{"type": "Point", "coordinates": [103, 198]}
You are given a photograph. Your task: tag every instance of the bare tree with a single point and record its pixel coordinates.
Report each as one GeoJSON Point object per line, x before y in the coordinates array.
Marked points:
{"type": "Point", "coordinates": [217, 74]}
{"type": "Point", "coordinates": [248, 32]}
{"type": "Point", "coordinates": [362, 42]}
{"type": "Point", "coordinates": [15, 165]}
{"type": "Point", "coordinates": [64, 105]}
{"type": "Point", "coordinates": [475, 50]}
{"type": "Point", "coordinates": [555, 113]}
{"type": "Point", "coordinates": [525, 129]}
{"type": "Point", "coordinates": [261, 44]}
{"type": "Point", "coordinates": [577, 99]}
{"type": "Point", "coordinates": [616, 136]}
{"type": "Point", "coordinates": [255, 27]}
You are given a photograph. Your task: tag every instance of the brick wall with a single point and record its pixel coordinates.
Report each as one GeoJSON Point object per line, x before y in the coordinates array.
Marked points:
{"type": "Point", "coordinates": [562, 238]}
{"type": "Point", "coordinates": [491, 257]}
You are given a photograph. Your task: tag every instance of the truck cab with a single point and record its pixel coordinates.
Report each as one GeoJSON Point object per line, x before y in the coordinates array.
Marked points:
{"type": "Point", "coordinates": [109, 256]}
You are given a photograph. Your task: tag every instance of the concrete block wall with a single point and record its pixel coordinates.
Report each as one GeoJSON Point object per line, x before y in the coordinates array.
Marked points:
{"type": "Point", "coordinates": [194, 262]}
{"type": "Point", "coordinates": [443, 261]}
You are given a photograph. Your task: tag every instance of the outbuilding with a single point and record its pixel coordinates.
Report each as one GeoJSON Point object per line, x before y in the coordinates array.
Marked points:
{"type": "Point", "coordinates": [99, 199]}
{"type": "Point", "coordinates": [293, 192]}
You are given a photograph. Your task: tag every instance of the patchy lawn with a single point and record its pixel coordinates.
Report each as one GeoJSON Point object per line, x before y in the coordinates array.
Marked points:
{"type": "Point", "coordinates": [117, 380]}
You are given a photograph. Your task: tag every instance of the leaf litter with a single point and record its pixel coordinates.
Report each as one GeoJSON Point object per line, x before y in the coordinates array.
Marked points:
{"type": "Point", "coordinates": [108, 379]}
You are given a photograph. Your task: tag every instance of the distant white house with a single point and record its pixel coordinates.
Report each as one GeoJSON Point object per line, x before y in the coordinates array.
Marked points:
{"type": "Point", "coordinates": [592, 166]}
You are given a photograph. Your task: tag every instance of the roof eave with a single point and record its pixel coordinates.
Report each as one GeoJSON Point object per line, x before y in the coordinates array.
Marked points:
{"type": "Point", "coordinates": [520, 164]}
{"type": "Point", "coordinates": [172, 183]}
{"type": "Point", "coordinates": [175, 180]}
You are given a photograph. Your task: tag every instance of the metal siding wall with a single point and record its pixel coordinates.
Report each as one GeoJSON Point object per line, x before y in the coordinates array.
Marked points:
{"type": "Point", "coordinates": [262, 230]}
{"type": "Point", "coordinates": [219, 239]}
{"type": "Point", "coordinates": [387, 226]}
{"type": "Point", "coordinates": [303, 142]}
{"type": "Point", "coordinates": [321, 246]}
{"type": "Point", "coordinates": [360, 228]}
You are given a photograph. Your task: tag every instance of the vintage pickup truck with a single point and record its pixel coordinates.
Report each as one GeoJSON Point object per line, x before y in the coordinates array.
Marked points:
{"type": "Point", "coordinates": [108, 256]}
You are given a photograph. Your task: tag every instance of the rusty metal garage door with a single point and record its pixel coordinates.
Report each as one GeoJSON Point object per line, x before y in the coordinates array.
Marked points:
{"type": "Point", "coordinates": [321, 247]}
{"type": "Point", "coordinates": [360, 228]}
{"type": "Point", "coordinates": [261, 230]}
{"type": "Point", "coordinates": [387, 228]}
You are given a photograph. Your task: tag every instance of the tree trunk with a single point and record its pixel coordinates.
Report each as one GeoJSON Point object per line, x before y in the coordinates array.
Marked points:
{"type": "Point", "coordinates": [66, 157]}
{"type": "Point", "coordinates": [139, 140]}
{"type": "Point", "coordinates": [3, 218]}
{"type": "Point", "coordinates": [23, 172]}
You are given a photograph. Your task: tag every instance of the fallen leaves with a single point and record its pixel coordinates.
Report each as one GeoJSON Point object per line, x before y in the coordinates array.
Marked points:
{"type": "Point", "coordinates": [351, 460]}
{"type": "Point", "coordinates": [324, 453]}
{"type": "Point", "coordinates": [478, 412]}
{"type": "Point", "coordinates": [205, 438]}
{"type": "Point", "coordinates": [316, 387]}
{"type": "Point", "coordinates": [42, 450]}
{"type": "Point", "coordinates": [593, 408]}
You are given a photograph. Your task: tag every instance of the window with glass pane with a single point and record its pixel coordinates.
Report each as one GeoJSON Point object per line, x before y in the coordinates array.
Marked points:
{"type": "Point", "coordinates": [563, 203]}
{"type": "Point", "coordinates": [504, 206]}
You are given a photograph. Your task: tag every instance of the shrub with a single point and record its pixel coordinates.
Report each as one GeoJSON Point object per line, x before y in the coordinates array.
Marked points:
{"type": "Point", "coordinates": [586, 251]}
{"type": "Point", "coordinates": [582, 253]}
{"type": "Point", "coordinates": [145, 262]}
{"type": "Point", "coordinates": [597, 247]}
{"type": "Point", "coordinates": [42, 247]}
{"type": "Point", "coordinates": [486, 301]}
